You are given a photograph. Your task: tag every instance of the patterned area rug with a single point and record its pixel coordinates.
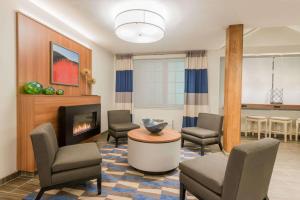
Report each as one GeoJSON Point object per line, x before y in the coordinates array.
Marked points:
{"type": "Point", "coordinates": [122, 182]}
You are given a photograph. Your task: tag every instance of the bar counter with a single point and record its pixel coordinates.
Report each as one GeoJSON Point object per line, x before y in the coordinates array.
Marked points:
{"type": "Point", "coordinates": [270, 107]}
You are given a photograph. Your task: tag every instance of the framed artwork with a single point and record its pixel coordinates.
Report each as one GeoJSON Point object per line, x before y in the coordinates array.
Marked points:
{"type": "Point", "coordinates": [64, 66]}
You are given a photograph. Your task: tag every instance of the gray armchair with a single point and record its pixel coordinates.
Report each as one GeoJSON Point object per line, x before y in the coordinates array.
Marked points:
{"type": "Point", "coordinates": [245, 175]}
{"type": "Point", "coordinates": [119, 123]}
{"type": "Point", "coordinates": [59, 167]}
{"type": "Point", "coordinates": [208, 131]}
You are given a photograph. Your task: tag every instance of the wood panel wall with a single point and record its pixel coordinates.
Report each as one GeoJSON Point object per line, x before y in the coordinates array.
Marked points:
{"type": "Point", "coordinates": [37, 109]}
{"type": "Point", "coordinates": [33, 64]}
{"type": "Point", "coordinates": [33, 54]}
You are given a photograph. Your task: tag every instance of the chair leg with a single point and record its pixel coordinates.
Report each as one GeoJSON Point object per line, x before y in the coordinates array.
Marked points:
{"type": "Point", "coordinates": [40, 194]}
{"type": "Point", "coordinates": [220, 145]}
{"type": "Point", "coordinates": [182, 142]}
{"type": "Point", "coordinates": [108, 136]}
{"type": "Point", "coordinates": [99, 180]}
{"type": "Point", "coordinates": [117, 142]}
{"type": "Point", "coordinates": [202, 150]}
{"type": "Point", "coordinates": [182, 192]}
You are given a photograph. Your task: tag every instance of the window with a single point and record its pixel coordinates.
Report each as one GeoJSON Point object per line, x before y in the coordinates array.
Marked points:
{"type": "Point", "coordinates": [260, 73]}
{"type": "Point", "coordinates": [159, 83]}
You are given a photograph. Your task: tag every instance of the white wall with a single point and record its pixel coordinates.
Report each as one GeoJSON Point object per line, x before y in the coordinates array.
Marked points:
{"type": "Point", "coordinates": [103, 72]}
{"type": "Point", "coordinates": [214, 57]}
{"type": "Point", "coordinates": [102, 66]}
{"type": "Point", "coordinates": [8, 91]}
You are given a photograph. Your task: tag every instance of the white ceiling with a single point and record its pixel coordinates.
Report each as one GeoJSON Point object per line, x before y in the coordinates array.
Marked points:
{"type": "Point", "coordinates": [190, 24]}
{"type": "Point", "coordinates": [274, 36]}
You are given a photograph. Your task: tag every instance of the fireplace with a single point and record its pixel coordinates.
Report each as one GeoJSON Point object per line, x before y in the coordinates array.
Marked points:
{"type": "Point", "coordinates": [77, 123]}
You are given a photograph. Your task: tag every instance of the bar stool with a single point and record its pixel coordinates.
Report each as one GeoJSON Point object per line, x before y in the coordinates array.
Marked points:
{"type": "Point", "coordinates": [286, 122]}
{"type": "Point", "coordinates": [260, 121]}
{"type": "Point", "coordinates": [297, 128]}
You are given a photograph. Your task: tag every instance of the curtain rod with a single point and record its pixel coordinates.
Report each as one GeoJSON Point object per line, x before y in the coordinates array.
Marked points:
{"type": "Point", "coordinates": [158, 53]}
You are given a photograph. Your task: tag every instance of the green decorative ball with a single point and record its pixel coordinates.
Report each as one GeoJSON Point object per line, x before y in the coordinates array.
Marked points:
{"type": "Point", "coordinates": [33, 87]}
{"type": "Point", "coordinates": [49, 91]}
{"type": "Point", "coordinates": [60, 92]}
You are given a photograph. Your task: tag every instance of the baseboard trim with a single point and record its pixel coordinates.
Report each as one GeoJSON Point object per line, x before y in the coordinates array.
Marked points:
{"type": "Point", "coordinates": [226, 153]}
{"type": "Point", "coordinates": [28, 174]}
{"type": "Point", "coordinates": [9, 177]}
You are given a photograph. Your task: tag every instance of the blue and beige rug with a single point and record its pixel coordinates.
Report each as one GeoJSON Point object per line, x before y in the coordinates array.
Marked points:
{"type": "Point", "coordinates": [122, 182]}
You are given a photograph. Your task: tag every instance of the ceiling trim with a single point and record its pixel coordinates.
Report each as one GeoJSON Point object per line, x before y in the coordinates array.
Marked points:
{"type": "Point", "coordinates": [245, 35]}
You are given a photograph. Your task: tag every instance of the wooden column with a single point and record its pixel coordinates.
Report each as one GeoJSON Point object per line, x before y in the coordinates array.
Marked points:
{"type": "Point", "coordinates": [233, 86]}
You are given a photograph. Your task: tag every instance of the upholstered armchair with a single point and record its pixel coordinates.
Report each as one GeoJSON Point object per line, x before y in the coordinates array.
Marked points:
{"type": "Point", "coordinates": [245, 175]}
{"type": "Point", "coordinates": [119, 123]}
{"type": "Point", "coordinates": [208, 131]}
{"type": "Point", "coordinates": [59, 167]}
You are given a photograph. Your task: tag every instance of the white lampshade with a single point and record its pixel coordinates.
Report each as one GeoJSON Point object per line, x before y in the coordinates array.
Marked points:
{"type": "Point", "coordinates": [139, 26]}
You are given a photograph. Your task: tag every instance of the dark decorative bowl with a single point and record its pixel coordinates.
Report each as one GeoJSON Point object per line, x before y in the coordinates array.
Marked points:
{"type": "Point", "coordinates": [154, 125]}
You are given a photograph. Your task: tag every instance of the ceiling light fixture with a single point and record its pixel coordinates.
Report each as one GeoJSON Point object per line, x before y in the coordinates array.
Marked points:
{"type": "Point", "coordinates": [139, 26]}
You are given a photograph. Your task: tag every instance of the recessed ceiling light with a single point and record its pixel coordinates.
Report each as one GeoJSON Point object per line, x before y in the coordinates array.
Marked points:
{"type": "Point", "coordinates": [139, 26]}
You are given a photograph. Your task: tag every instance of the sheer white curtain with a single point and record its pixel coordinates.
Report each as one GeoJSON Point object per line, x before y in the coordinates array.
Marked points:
{"type": "Point", "coordinates": [159, 83]}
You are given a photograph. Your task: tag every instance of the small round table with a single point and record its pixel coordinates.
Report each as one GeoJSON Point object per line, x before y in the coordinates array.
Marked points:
{"type": "Point", "coordinates": [154, 153]}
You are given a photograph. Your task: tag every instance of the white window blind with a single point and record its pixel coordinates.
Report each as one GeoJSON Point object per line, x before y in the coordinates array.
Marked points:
{"type": "Point", "coordinates": [159, 83]}
{"type": "Point", "coordinates": [287, 77]}
{"type": "Point", "coordinates": [257, 79]}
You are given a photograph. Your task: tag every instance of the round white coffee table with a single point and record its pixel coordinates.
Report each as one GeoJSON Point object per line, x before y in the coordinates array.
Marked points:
{"type": "Point", "coordinates": [154, 153]}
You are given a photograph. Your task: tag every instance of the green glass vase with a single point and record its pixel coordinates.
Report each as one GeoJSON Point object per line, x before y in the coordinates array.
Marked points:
{"type": "Point", "coordinates": [33, 87]}
{"type": "Point", "coordinates": [49, 91]}
{"type": "Point", "coordinates": [60, 92]}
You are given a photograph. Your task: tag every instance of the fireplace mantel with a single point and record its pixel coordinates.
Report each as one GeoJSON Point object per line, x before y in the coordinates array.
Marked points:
{"type": "Point", "coordinates": [34, 110]}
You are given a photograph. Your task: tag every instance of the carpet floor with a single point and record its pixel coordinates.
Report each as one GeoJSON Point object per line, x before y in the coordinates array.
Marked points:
{"type": "Point", "coordinates": [122, 182]}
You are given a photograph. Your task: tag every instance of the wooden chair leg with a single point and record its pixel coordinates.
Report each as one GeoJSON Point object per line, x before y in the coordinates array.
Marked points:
{"type": "Point", "coordinates": [182, 192]}
{"type": "Point", "coordinates": [108, 136]}
{"type": "Point", "coordinates": [99, 180]}
{"type": "Point", "coordinates": [202, 150]}
{"type": "Point", "coordinates": [285, 132]}
{"type": "Point", "coordinates": [246, 128]}
{"type": "Point", "coordinates": [182, 142]}
{"type": "Point", "coordinates": [220, 145]}
{"type": "Point", "coordinates": [297, 128]}
{"type": "Point", "coordinates": [40, 194]}
{"type": "Point", "coordinates": [117, 142]}
{"type": "Point", "coordinates": [258, 129]}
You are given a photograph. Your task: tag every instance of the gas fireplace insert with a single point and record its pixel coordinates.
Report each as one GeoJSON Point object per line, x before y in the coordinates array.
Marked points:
{"type": "Point", "coordinates": [77, 123]}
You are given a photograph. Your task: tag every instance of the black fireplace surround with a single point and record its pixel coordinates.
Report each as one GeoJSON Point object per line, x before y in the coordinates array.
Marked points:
{"type": "Point", "coordinates": [77, 123]}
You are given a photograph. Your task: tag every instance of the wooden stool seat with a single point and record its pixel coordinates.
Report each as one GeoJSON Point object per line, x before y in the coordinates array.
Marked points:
{"type": "Point", "coordinates": [260, 121]}
{"type": "Point", "coordinates": [286, 122]}
{"type": "Point", "coordinates": [256, 117]}
{"type": "Point", "coordinates": [281, 118]}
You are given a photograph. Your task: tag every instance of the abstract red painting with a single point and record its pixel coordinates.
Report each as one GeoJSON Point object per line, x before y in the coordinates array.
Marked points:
{"type": "Point", "coordinates": [64, 66]}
